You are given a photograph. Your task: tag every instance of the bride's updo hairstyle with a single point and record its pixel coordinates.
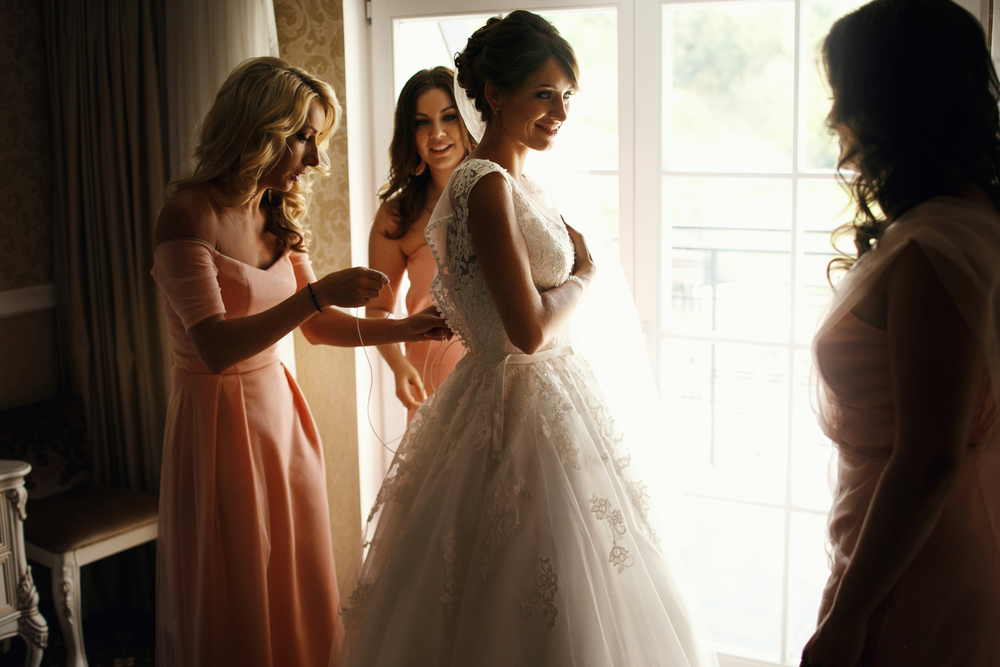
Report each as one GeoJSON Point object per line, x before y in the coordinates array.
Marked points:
{"type": "Point", "coordinates": [506, 51]}
{"type": "Point", "coordinates": [915, 104]}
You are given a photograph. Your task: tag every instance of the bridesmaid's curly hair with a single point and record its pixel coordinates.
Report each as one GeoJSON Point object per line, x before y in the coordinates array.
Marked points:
{"type": "Point", "coordinates": [506, 51]}
{"type": "Point", "coordinates": [406, 191]}
{"type": "Point", "coordinates": [915, 99]}
{"type": "Point", "coordinates": [262, 103]}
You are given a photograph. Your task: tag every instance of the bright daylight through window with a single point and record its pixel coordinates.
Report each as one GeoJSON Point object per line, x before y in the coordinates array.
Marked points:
{"type": "Point", "coordinates": [747, 200]}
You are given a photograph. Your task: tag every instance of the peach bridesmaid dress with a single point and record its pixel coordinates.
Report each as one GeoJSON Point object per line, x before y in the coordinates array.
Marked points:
{"type": "Point", "coordinates": [945, 608]}
{"type": "Point", "coordinates": [434, 360]}
{"type": "Point", "coordinates": [245, 561]}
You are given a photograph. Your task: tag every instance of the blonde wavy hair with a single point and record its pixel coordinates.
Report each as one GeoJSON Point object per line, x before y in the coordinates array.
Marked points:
{"type": "Point", "coordinates": [262, 103]}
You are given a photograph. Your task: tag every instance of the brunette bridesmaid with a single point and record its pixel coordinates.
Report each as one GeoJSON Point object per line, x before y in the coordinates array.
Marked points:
{"type": "Point", "coordinates": [429, 140]}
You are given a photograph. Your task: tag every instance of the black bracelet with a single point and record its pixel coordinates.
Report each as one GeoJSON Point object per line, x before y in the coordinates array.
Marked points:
{"type": "Point", "coordinates": [313, 295]}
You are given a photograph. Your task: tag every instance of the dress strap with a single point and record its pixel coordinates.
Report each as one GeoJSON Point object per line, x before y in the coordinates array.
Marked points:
{"type": "Point", "coordinates": [498, 386]}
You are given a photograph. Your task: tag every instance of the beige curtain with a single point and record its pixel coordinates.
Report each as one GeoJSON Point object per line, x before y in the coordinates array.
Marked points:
{"type": "Point", "coordinates": [205, 41]}
{"type": "Point", "coordinates": [109, 175]}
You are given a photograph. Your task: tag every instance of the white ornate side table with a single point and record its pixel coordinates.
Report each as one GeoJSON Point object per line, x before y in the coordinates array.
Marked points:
{"type": "Point", "coordinates": [18, 598]}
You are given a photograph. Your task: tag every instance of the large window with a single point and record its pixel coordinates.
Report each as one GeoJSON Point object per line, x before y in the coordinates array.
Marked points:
{"type": "Point", "coordinates": [703, 125]}
{"type": "Point", "coordinates": [748, 197]}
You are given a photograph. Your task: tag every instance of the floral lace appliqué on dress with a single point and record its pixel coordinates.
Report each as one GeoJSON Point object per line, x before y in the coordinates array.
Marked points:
{"type": "Point", "coordinates": [601, 508]}
{"type": "Point", "coordinates": [548, 586]}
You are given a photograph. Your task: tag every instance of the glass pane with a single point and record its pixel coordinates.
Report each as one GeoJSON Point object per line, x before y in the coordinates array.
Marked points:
{"type": "Point", "coordinates": [819, 147]}
{"type": "Point", "coordinates": [428, 42]}
{"type": "Point", "coordinates": [812, 452]}
{"type": "Point", "coordinates": [735, 566]}
{"type": "Point", "coordinates": [728, 244]}
{"type": "Point", "coordinates": [728, 417]}
{"type": "Point", "coordinates": [823, 205]}
{"type": "Point", "coordinates": [807, 574]}
{"type": "Point", "coordinates": [728, 86]}
{"type": "Point", "coordinates": [593, 126]}
{"type": "Point", "coordinates": [605, 189]}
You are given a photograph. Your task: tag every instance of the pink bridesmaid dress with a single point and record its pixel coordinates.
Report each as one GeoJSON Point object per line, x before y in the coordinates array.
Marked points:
{"type": "Point", "coordinates": [434, 360]}
{"type": "Point", "coordinates": [945, 608]}
{"type": "Point", "coordinates": [245, 561]}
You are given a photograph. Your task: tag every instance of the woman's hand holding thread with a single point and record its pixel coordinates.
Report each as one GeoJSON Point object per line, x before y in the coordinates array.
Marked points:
{"type": "Point", "coordinates": [350, 288]}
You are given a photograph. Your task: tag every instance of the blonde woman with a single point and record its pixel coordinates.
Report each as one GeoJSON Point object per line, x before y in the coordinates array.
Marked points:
{"type": "Point", "coordinates": [428, 141]}
{"type": "Point", "coordinates": [245, 567]}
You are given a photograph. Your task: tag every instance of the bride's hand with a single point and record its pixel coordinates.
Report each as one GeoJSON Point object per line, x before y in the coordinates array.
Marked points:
{"type": "Point", "coordinates": [583, 265]}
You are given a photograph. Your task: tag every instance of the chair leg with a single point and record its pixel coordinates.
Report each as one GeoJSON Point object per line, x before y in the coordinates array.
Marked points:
{"type": "Point", "coordinates": [34, 657]}
{"type": "Point", "coordinates": [31, 626]}
{"type": "Point", "coordinates": [66, 595]}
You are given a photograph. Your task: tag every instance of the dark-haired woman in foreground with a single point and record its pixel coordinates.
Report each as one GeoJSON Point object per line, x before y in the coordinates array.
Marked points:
{"type": "Point", "coordinates": [510, 531]}
{"type": "Point", "coordinates": [429, 139]}
{"type": "Point", "coordinates": [907, 354]}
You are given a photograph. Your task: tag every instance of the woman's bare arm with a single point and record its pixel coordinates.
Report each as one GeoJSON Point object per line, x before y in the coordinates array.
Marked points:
{"type": "Point", "coordinates": [530, 318]}
{"type": "Point", "coordinates": [333, 327]}
{"type": "Point", "coordinates": [220, 343]}
{"type": "Point", "coordinates": [386, 255]}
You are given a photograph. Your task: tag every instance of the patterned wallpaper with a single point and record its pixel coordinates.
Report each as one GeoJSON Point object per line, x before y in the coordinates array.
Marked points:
{"type": "Point", "coordinates": [311, 36]}
{"type": "Point", "coordinates": [25, 149]}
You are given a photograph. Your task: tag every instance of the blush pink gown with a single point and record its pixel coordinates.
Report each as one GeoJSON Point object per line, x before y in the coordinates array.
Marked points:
{"type": "Point", "coordinates": [945, 608]}
{"type": "Point", "coordinates": [434, 360]}
{"type": "Point", "coordinates": [245, 561]}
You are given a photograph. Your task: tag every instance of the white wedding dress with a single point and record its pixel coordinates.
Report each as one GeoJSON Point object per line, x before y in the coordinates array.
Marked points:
{"type": "Point", "coordinates": [509, 530]}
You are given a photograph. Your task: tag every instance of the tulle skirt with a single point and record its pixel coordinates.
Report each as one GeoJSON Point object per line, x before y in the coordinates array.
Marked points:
{"type": "Point", "coordinates": [528, 544]}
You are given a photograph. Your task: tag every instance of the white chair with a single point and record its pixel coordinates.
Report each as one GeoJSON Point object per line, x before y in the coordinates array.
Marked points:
{"type": "Point", "coordinates": [71, 529]}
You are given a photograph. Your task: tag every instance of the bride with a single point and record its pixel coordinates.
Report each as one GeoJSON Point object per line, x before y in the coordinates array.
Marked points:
{"type": "Point", "coordinates": [509, 530]}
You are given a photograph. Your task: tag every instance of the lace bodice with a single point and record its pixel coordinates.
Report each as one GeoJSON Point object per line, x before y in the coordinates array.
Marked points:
{"type": "Point", "coordinates": [459, 289]}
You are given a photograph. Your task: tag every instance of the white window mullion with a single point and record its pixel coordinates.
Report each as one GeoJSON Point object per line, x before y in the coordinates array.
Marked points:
{"type": "Point", "coordinates": [793, 298]}
{"type": "Point", "coordinates": [627, 140]}
{"type": "Point", "coordinates": [648, 236]}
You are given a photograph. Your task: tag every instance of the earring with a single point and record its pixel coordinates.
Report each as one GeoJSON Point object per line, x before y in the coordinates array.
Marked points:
{"type": "Point", "coordinates": [419, 169]}
{"type": "Point", "coordinates": [267, 196]}
{"type": "Point", "coordinates": [497, 111]}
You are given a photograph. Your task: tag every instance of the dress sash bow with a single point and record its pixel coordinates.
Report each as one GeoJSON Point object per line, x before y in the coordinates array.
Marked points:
{"type": "Point", "coordinates": [498, 387]}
